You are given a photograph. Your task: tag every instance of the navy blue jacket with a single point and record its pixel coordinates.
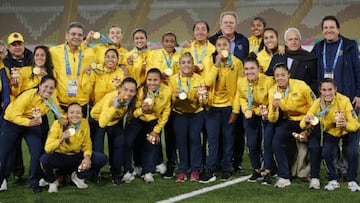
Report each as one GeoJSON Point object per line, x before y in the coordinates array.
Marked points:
{"type": "Point", "coordinates": [10, 62]}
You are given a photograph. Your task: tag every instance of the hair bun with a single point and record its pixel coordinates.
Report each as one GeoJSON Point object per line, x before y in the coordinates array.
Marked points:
{"type": "Point", "coordinates": [252, 56]}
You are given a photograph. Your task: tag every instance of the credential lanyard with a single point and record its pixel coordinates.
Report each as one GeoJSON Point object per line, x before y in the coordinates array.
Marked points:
{"type": "Point", "coordinates": [67, 63]}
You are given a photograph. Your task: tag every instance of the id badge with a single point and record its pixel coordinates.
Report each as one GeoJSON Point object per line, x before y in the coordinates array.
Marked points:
{"type": "Point", "coordinates": [329, 75]}
{"type": "Point", "coordinates": [72, 88]}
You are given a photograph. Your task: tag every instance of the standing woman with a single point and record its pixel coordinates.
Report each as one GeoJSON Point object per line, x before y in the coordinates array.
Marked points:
{"type": "Point", "coordinates": [289, 101]}
{"type": "Point", "coordinates": [252, 89]}
{"type": "Point", "coordinates": [221, 77]}
{"type": "Point", "coordinates": [138, 57]}
{"type": "Point", "coordinates": [151, 114]}
{"type": "Point", "coordinates": [339, 121]}
{"type": "Point", "coordinates": [23, 118]}
{"type": "Point", "coordinates": [256, 42]}
{"type": "Point", "coordinates": [189, 96]}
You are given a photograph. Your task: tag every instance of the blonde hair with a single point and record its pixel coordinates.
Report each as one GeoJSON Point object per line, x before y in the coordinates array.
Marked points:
{"type": "Point", "coordinates": [225, 13]}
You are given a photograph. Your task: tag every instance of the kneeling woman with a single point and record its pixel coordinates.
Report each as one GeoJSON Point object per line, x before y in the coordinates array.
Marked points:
{"type": "Point", "coordinates": [289, 101]}
{"type": "Point", "coordinates": [70, 148]}
{"type": "Point", "coordinates": [339, 121]}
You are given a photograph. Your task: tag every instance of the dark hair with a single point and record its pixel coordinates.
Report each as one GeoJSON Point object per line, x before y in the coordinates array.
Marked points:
{"type": "Point", "coordinates": [112, 49]}
{"type": "Point", "coordinates": [172, 34]}
{"type": "Point", "coordinates": [46, 78]}
{"type": "Point", "coordinates": [272, 29]}
{"type": "Point", "coordinates": [152, 70]}
{"type": "Point", "coordinates": [252, 58]}
{"type": "Point", "coordinates": [280, 65]}
{"type": "Point", "coordinates": [48, 63]}
{"type": "Point", "coordinates": [327, 80]}
{"type": "Point", "coordinates": [139, 30]}
{"type": "Point", "coordinates": [333, 18]}
{"type": "Point", "coordinates": [73, 104]}
{"type": "Point", "coordinates": [131, 106]}
{"type": "Point", "coordinates": [262, 20]}
{"type": "Point", "coordinates": [128, 80]}
{"type": "Point", "coordinates": [215, 52]}
{"type": "Point", "coordinates": [75, 24]}
{"type": "Point", "coordinates": [186, 54]}
{"type": "Point", "coordinates": [201, 21]}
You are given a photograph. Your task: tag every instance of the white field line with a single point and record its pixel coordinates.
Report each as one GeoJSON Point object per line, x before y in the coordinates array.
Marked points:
{"type": "Point", "coordinates": [204, 190]}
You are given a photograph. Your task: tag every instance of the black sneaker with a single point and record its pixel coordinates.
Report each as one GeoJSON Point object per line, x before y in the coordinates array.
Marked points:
{"type": "Point", "coordinates": [266, 180]}
{"type": "Point", "coordinates": [36, 188]}
{"type": "Point", "coordinates": [238, 169]}
{"type": "Point", "coordinates": [225, 175]}
{"type": "Point", "coordinates": [169, 174]}
{"type": "Point", "coordinates": [255, 176]}
{"type": "Point", "coordinates": [207, 177]}
{"type": "Point", "coordinates": [117, 180]}
{"type": "Point", "coordinates": [18, 179]}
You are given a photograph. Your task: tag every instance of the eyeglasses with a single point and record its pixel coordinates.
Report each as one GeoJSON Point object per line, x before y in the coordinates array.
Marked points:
{"type": "Point", "coordinates": [73, 34]}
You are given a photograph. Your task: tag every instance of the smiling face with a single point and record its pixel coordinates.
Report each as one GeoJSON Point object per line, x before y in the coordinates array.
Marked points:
{"type": "Point", "coordinates": [74, 113]}
{"type": "Point", "coordinates": [330, 31]}
{"type": "Point", "coordinates": [17, 49]}
{"type": "Point", "coordinates": [222, 44]}
{"type": "Point", "coordinates": [270, 40]}
{"type": "Point", "coordinates": [186, 65]}
{"type": "Point", "coordinates": [292, 41]}
{"type": "Point", "coordinates": [40, 57]}
{"type": "Point", "coordinates": [169, 43]}
{"type": "Point", "coordinates": [46, 88]}
{"type": "Point", "coordinates": [111, 59]}
{"type": "Point", "coordinates": [228, 25]}
{"type": "Point", "coordinates": [115, 35]}
{"type": "Point", "coordinates": [153, 81]}
{"type": "Point", "coordinates": [251, 70]}
{"type": "Point", "coordinates": [201, 32]}
{"type": "Point", "coordinates": [128, 91]}
{"type": "Point", "coordinates": [140, 40]}
{"type": "Point", "coordinates": [281, 76]}
{"type": "Point", "coordinates": [257, 28]}
{"type": "Point", "coordinates": [327, 91]}
{"type": "Point", "coordinates": [74, 37]}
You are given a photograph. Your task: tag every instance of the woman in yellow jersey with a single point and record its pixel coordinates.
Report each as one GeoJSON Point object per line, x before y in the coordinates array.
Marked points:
{"type": "Point", "coordinates": [200, 48]}
{"type": "Point", "coordinates": [252, 97]}
{"type": "Point", "coordinates": [137, 59]}
{"type": "Point", "coordinates": [289, 101]}
{"type": "Point", "coordinates": [271, 47]}
{"type": "Point", "coordinates": [339, 121]}
{"type": "Point", "coordinates": [30, 76]}
{"type": "Point", "coordinates": [256, 42]}
{"type": "Point", "coordinates": [69, 148]}
{"type": "Point", "coordinates": [23, 119]}
{"type": "Point", "coordinates": [151, 114]}
{"type": "Point", "coordinates": [188, 98]}
{"type": "Point", "coordinates": [221, 77]}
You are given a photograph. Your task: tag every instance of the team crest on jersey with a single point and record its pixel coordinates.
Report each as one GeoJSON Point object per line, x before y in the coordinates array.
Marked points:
{"type": "Point", "coordinates": [240, 47]}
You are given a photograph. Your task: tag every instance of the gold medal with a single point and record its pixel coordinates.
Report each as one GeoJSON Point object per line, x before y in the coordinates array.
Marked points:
{"type": "Point", "coordinates": [36, 70]}
{"type": "Point", "coordinates": [225, 53]}
{"type": "Point", "coordinates": [248, 114]}
{"type": "Point", "coordinates": [168, 72]}
{"type": "Point", "coordinates": [182, 96]}
{"type": "Point", "coordinates": [314, 121]}
{"type": "Point", "coordinates": [93, 65]}
{"type": "Point", "coordinates": [96, 35]}
{"type": "Point", "coordinates": [148, 100]}
{"type": "Point", "coordinates": [277, 95]}
{"type": "Point", "coordinates": [72, 131]}
{"type": "Point", "coordinates": [200, 66]}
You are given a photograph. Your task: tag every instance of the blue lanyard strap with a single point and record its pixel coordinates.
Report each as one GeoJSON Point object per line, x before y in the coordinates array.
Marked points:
{"type": "Point", "coordinates": [148, 95]}
{"type": "Point", "coordinates": [68, 68]}
{"type": "Point", "coordinates": [336, 56]}
{"type": "Point", "coordinates": [250, 97]}
{"type": "Point", "coordinates": [76, 127]}
{"type": "Point", "coordinates": [188, 83]}
{"type": "Point", "coordinates": [197, 60]}
{"type": "Point", "coordinates": [286, 91]}
{"type": "Point", "coordinates": [229, 62]}
{"type": "Point", "coordinates": [53, 107]}
{"type": "Point", "coordinates": [104, 39]}
{"type": "Point", "coordinates": [125, 103]}
{"type": "Point", "coordinates": [323, 112]}
{"type": "Point", "coordinates": [168, 62]}
{"type": "Point", "coordinates": [140, 51]}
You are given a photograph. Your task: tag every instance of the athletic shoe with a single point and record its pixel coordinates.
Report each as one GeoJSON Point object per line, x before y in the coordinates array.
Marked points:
{"type": "Point", "coordinates": [353, 186]}
{"type": "Point", "coordinates": [3, 185]}
{"type": "Point", "coordinates": [225, 175]}
{"type": "Point", "coordinates": [116, 180]}
{"type": "Point", "coordinates": [36, 188]}
{"type": "Point", "coordinates": [80, 183]}
{"type": "Point", "coordinates": [137, 171]}
{"type": "Point", "coordinates": [194, 176]}
{"type": "Point", "coordinates": [254, 177]}
{"type": "Point", "coordinates": [332, 185]}
{"type": "Point", "coordinates": [181, 177]}
{"type": "Point", "coordinates": [128, 177]}
{"type": "Point", "coordinates": [238, 169]}
{"type": "Point", "coordinates": [169, 173]}
{"type": "Point", "coordinates": [314, 183]}
{"type": "Point", "coordinates": [148, 178]}
{"type": "Point", "coordinates": [43, 182]}
{"type": "Point", "coordinates": [282, 182]}
{"type": "Point", "coordinates": [53, 187]}
{"type": "Point", "coordinates": [266, 180]}
{"type": "Point", "coordinates": [161, 168]}
{"type": "Point", "coordinates": [18, 179]}
{"type": "Point", "coordinates": [207, 177]}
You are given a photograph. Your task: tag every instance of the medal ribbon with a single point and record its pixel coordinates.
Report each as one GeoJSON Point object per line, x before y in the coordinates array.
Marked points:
{"type": "Point", "coordinates": [53, 107]}
{"type": "Point", "coordinates": [168, 62]}
{"type": "Point", "coordinates": [68, 69]}
{"type": "Point", "coordinates": [104, 39]}
{"type": "Point", "coordinates": [148, 95]}
{"type": "Point", "coordinates": [197, 60]}
{"type": "Point", "coordinates": [250, 97]}
{"type": "Point", "coordinates": [188, 83]}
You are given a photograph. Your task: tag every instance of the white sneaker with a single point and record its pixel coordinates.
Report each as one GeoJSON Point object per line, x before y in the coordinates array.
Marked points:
{"type": "Point", "coordinates": [137, 171]}
{"type": "Point", "coordinates": [3, 185]}
{"type": "Point", "coordinates": [314, 183]}
{"type": "Point", "coordinates": [161, 168]}
{"type": "Point", "coordinates": [80, 183]}
{"type": "Point", "coordinates": [128, 177]}
{"type": "Point", "coordinates": [353, 186]}
{"type": "Point", "coordinates": [53, 187]}
{"type": "Point", "coordinates": [332, 185]}
{"type": "Point", "coordinates": [282, 182]}
{"type": "Point", "coordinates": [43, 182]}
{"type": "Point", "coordinates": [148, 178]}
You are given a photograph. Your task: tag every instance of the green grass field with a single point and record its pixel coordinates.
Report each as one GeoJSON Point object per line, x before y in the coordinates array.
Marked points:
{"type": "Point", "coordinates": [138, 191]}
